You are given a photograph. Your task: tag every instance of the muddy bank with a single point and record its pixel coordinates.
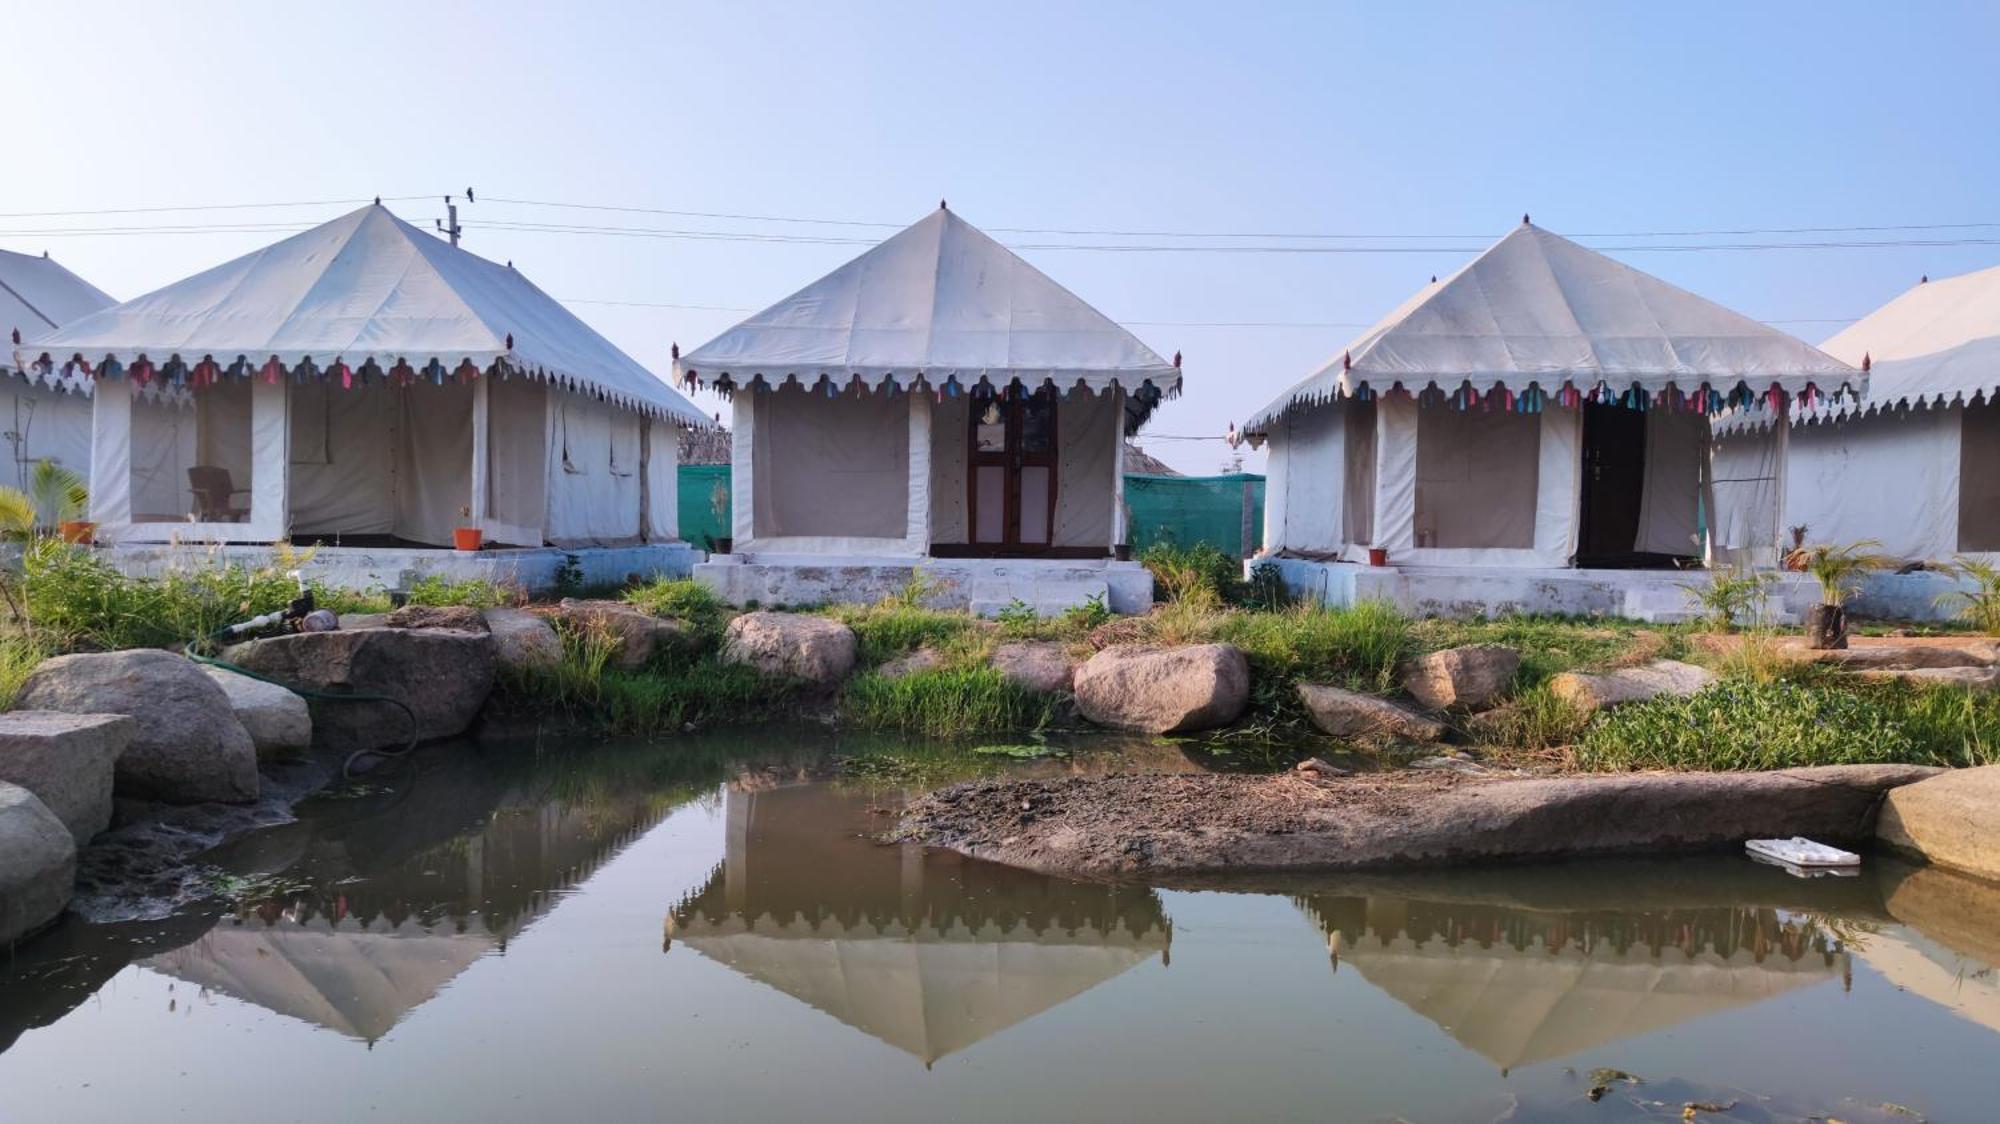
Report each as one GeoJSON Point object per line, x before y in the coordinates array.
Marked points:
{"type": "Point", "coordinates": [1176, 826]}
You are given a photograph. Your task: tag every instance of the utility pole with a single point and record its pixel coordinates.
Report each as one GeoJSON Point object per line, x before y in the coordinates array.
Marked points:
{"type": "Point", "coordinates": [448, 226]}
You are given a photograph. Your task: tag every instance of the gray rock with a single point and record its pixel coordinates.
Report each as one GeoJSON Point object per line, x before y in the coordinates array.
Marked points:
{"type": "Point", "coordinates": [277, 720]}
{"type": "Point", "coordinates": [793, 645]}
{"type": "Point", "coordinates": [37, 864]}
{"type": "Point", "coordinates": [1630, 684]}
{"type": "Point", "coordinates": [523, 640]}
{"type": "Point", "coordinates": [1470, 677]}
{"type": "Point", "coordinates": [923, 659]}
{"type": "Point", "coordinates": [67, 761]}
{"type": "Point", "coordinates": [188, 745]}
{"type": "Point", "coordinates": [442, 675]}
{"type": "Point", "coordinates": [1164, 690]}
{"type": "Point", "coordinates": [1952, 820]}
{"type": "Point", "coordinates": [640, 636]}
{"type": "Point", "coordinates": [1351, 714]}
{"type": "Point", "coordinates": [1901, 657]}
{"type": "Point", "coordinates": [1038, 665]}
{"type": "Point", "coordinates": [355, 621]}
{"type": "Point", "coordinates": [462, 617]}
{"type": "Point", "coordinates": [1969, 678]}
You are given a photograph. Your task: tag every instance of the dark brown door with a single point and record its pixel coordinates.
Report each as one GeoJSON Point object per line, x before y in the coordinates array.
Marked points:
{"type": "Point", "coordinates": [1614, 476]}
{"type": "Point", "coordinates": [1011, 477]}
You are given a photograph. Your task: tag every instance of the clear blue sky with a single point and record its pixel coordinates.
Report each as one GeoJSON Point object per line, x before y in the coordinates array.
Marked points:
{"type": "Point", "coordinates": [1284, 118]}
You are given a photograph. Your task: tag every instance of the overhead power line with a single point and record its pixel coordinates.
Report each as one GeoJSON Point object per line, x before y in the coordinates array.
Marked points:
{"type": "Point", "coordinates": [216, 207]}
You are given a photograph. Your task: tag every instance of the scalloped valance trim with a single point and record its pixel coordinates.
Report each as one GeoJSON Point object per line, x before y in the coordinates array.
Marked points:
{"type": "Point", "coordinates": [176, 374]}
{"type": "Point", "coordinates": [1704, 398]}
{"type": "Point", "coordinates": [1141, 399]}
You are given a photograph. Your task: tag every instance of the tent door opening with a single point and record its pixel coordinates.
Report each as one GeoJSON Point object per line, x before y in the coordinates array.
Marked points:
{"type": "Point", "coordinates": [1614, 476]}
{"type": "Point", "coordinates": [1011, 477]}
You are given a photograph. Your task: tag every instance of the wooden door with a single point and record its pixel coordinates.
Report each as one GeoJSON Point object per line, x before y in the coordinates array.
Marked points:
{"type": "Point", "coordinates": [1011, 474]}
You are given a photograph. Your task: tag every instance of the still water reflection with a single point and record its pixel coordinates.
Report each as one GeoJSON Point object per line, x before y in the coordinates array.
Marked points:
{"type": "Point", "coordinates": [712, 931]}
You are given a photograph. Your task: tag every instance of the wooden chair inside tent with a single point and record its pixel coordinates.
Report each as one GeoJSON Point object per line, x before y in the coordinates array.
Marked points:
{"type": "Point", "coordinates": [214, 492]}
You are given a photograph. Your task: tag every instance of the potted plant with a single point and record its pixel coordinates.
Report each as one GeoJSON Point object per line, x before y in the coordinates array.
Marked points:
{"type": "Point", "coordinates": [1378, 556]}
{"type": "Point", "coordinates": [1838, 570]}
{"type": "Point", "coordinates": [718, 506]}
{"type": "Point", "coordinates": [467, 537]}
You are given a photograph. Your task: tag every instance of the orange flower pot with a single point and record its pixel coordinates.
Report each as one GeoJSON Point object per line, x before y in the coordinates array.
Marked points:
{"type": "Point", "coordinates": [78, 531]}
{"type": "Point", "coordinates": [467, 538]}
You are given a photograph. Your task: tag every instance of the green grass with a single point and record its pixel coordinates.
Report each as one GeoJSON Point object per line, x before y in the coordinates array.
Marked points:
{"type": "Point", "coordinates": [685, 600]}
{"type": "Point", "coordinates": [584, 686]}
{"type": "Point", "coordinates": [945, 702]}
{"type": "Point", "coordinates": [891, 629]}
{"type": "Point", "coordinates": [19, 656]}
{"type": "Point", "coordinates": [472, 593]}
{"type": "Point", "coordinates": [1784, 723]}
{"type": "Point", "coordinates": [1549, 645]}
{"type": "Point", "coordinates": [1357, 646]}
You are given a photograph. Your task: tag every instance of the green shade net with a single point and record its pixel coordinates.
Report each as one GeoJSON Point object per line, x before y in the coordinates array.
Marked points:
{"type": "Point", "coordinates": [1184, 510]}
{"type": "Point", "coordinates": [1223, 511]}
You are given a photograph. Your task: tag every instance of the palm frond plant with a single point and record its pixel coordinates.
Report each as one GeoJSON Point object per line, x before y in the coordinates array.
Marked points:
{"type": "Point", "coordinates": [1838, 570]}
{"type": "Point", "coordinates": [59, 496]}
{"type": "Point", "coordinates": [1979, 605]}
{"type": "Point", "coordinates": [1728, 596]}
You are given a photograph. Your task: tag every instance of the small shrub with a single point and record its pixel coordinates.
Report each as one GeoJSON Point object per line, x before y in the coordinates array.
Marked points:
{"type": "Point", "coordinates": [72, 599]}
{"type": "Point", "coordinates": [945, 702]}
{"type": "Point", "coordinates": [1016, 614]}
{"type": "Point", "coordinates": [1980, 605]}
{"type": "Point", "coordinates": [1731, 596]}
{"type": "Point", "coordinates": [569, 576]}
{"type": "Point", "coordinates": [1266, 588]}
{"type": "Point", "coordinates": [1200, 575]}
{"type": "Point", "coordinates": [1080, 619]}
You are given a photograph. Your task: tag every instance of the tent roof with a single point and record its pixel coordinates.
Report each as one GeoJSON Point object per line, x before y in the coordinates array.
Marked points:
{"type": "Point", "coordinates": [1937, 344]}
{"type": "Point", "coordinates": [364, 287]}
{"type": "Point", "coordinates": [940, 300]}
{"type": "Point", "coordinates": [1537, 310]}
{"type": "Point", "coordinates": [37, 294]}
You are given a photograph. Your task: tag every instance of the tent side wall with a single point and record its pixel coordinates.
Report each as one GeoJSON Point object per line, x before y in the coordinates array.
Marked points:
{"type": "Point", "coordinates": [1890, 478]}
{"type": "Point", "coordinates": [837, 475]}
{"type": "Point", "coordinates": [1527, 467]}
{"type": "Point", "coordinates": [43, 423]}
{"type": "Point", "coordinates": [1306, 489]}
{"type": "Point", "coordinates": [1747, 469]}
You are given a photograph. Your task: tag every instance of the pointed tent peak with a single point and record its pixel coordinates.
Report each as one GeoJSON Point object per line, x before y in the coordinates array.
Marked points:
{"type": "Point", "coordinates": [1536, 310]}
{"type": "Point", "coordinates": [366, 287]}
{"type": "Point", "coordinates": [942, 301]}
{"type": "Point", "coordinates": [1524, 219]}
{"type": "Point", "coordinates": [1924, 280]}
{"type": "Point", "coordinates": [943, 206]}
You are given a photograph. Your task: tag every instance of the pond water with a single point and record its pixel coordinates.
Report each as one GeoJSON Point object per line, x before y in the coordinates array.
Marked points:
{"type": "Point", "coordinates": [710, 931]}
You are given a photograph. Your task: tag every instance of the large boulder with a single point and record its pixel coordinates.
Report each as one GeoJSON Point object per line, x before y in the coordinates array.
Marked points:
{"type": "Point", "coordinates": [1588, 691]}
{"type": "Point", "coordinates": [1470, 678]}
{"type": "Point", "coordinates": [1038, 665]}
{"type": "Point", "coordinates": [1164, 690]}
{"type": "Point", "coordinates": [67, 761]}
{"type": "Point", "coordinates": [522, 640]}
{"type": "Point", "coordinates": [187, 746]}
{"type": "Point", "coordinates": [1351, 714]}
{"type": "Point", "coordinates": [465, 618]}
{"type": "Point", "coordinates": [37, 864]}
{"type": "Point", "coordinates": [278, 721]}
{"type": "Point", "coordinates": [1952, 819]}
{"type": "Point", "coordinates": [793, 645]}
{"type": "Point", "coordinates": [639, 636]}
{"type": "Point", "coordinates": [442, 675]}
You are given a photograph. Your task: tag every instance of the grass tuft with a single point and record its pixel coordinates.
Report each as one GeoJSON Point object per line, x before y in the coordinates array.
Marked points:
{"type": "Point", "coordinates": [946, 702]}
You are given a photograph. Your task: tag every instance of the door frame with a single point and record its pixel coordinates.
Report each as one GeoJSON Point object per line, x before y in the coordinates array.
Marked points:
{"type": "Point", "coordinates": [1012, 459]}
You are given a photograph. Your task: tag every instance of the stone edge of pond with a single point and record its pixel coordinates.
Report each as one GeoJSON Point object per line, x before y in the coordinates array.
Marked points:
{"type": "Point", "coordinates": [1153, 826]}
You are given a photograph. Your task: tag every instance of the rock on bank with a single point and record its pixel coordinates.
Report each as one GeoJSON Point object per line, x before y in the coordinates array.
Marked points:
{"type": "Point", "coordinates": [1162, 826]}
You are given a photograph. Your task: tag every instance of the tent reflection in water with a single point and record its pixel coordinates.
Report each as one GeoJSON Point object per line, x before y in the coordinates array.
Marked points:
{"type": "Point", "coordinates": [368, 382]}
{"type": "Point", "coordinates": [1545, 407]}
{"type": "Point", "coordinates": [45, 415]}
{"type": "Point", "coordinates": [1520, 986]}
{"type": "Point", "coordinates": [924, 949]}
{"type": "Point", "coordinates": [935, 398]}
{"type": "Point", "coordinates": [1913, 466]}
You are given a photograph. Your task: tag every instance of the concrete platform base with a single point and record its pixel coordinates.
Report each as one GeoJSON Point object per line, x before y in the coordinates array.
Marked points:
{"type": "Point", "coordinates": [983, 585]}
{"type": "Point", "coordinates": [366, 568]}
{"type": "Point", "coordinates": [1657, 596]}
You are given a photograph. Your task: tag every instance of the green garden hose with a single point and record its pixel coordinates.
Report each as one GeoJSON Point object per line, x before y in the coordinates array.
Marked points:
{"type": "Point", "coordinates": [347, 766]}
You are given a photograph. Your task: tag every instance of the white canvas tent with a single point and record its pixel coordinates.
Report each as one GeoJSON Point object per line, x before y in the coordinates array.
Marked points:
{"type": "Point", "coordinates": [936, 395]}
{"type": "Point", "coordinates": [45, 416]}
{"type": "Point", "coordinates": [1542, 405]}
{"type": "Point", "coordinates": [366, 379]}
{"type": "Point", "coordinates": [1913, 465]}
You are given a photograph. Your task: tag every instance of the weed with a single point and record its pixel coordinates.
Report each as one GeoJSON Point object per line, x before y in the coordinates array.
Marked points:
{"type": "Point", "coordinates": [1536, 720]}
{"type": "Point", "coordinates": [890, 629]}
{"type": "Point", "coordinates": [1016, 613]}
{"type": "Point", "coordinates": [475, 593]}
{"type": "Point", "coordinates": [1200, 575]}
{"type": "Point", "coordinates": [944, 702]}
{"type": "Point", "coordinates": [1080, 619]}
{"type": "Point", "coordinates": [685, 600]}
